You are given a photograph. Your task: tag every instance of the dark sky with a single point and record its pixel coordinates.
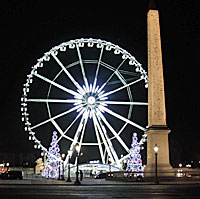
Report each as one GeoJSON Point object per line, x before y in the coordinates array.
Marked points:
{"type": "Point", "coordinates": [30, 28]}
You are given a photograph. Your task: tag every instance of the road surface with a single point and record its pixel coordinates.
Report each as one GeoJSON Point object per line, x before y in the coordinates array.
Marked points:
{"type": "Point", "coordinates": [52, 191]}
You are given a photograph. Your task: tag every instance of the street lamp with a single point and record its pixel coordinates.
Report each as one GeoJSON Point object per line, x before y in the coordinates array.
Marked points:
{"type": "Point", "coordinates": [69, 154]}
{"type": "Point", "coordinates": [77, 147]}
{"type": "Point", "coordinates": [156, 163]}
{"type": "Point", "coordinates": [59, 171]}
{"type": "Point", "coordinates": [7, 165]}
{"type": "Point", "coordinates": [62, 157]}
{"type": "Point", "coordinates": [110, 161]}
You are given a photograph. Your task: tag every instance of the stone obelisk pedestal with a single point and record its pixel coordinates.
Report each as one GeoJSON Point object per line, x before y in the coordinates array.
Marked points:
{"type": "Point", "coordinates": [157, 133]}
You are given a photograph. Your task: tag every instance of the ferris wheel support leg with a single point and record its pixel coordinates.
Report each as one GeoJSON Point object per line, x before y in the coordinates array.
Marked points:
{"type": "Point", "coordinates": [99, 141]}
{"type": "Point", "coordinates": [57, 116]}
{"type": "Point", "coordinates": [123, 119]}
{"type": "Point", "coordinates": [76, 136]}
{"type": "Point", "coordinates": [86, 115]}
{"type": "Point", "coordinates": [107, 148]}
{"type": "Point", "coordinates": [110, 144]}
{"type": "Point", "coordinates": [67, 73]}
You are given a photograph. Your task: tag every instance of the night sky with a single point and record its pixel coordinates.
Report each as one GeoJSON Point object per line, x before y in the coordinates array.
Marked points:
{"type": "Point", "coordinates": [30, 28]}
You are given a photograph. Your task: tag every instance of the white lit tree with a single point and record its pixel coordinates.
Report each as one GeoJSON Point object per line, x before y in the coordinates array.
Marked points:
{"type": "Point", "coordinates": [134, 163]}
{"type": "Point", "coordinates": [51, 169]}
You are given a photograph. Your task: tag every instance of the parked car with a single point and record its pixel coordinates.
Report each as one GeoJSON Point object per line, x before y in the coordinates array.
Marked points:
{"type": "Point", "coordinates": [18, 175]}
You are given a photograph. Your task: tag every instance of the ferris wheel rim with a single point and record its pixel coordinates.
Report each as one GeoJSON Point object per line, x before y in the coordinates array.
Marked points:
{"type": "Point", "coordinates": [78, 44]}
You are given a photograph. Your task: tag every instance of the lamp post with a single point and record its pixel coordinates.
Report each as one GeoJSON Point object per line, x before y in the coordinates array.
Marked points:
{"type": "Point", "coordinates": [62, 157]}
{"type": "Point", "coordinates": [110, 161]}
{"type": "Point", "coordinates": [156, 163]}
{"type": "Point", "coordinates": [77, 147]}
{"type": "Point", "coordinates": [70, 154]}
{"type": "Point", "coordinates": [59, 170]}
{"type": "Point", "coordinates": [7, 165]}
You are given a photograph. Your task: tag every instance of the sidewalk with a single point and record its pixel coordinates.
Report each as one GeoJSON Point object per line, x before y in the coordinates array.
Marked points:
{"type": "Point", "coordinates": [94, 182]}
{"type": "Point", "coordinates": [42, 181]}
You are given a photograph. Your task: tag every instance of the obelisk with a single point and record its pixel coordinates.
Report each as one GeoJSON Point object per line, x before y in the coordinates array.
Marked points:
{"type": "Point", "coordinates": [157, 133]}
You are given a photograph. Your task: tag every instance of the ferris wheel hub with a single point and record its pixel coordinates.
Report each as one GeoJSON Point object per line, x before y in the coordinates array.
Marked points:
{"type": "Point", "coordinates": [91, 100]}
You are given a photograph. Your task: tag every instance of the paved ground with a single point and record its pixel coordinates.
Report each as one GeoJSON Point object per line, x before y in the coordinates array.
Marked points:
{"type": "Point", "coordinates": [92, 188]}
{"type": "Point", "coordinates": [92, 181]}
{"type": "Point", "coordinates": [104, 191]}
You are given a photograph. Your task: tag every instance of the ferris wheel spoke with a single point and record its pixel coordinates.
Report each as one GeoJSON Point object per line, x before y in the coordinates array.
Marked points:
{"type": "Point", "coordinates": [57, 116]}
{"type": "Point", "coordinates": [124, 82]}
{"type": "Point", "coordinates": [134, 74]}
{"type": "Point", "coordinates": [97, 71]}
{"type": "Point", "coordinates": [113, 131]}
{"type": "Point", "coordinates": [120, 131]}
{"type": "Point", "coordinates": [107, 66]}
{"type": "Point", "coordinates": [82, 68]}
{"type": "Point", "coordinates": [56, 84]}
{"type": "Point", "coordinates": [123, 118]}
{"type": "Point", "coordinates": [67, 72]}
{"type": "Point", "coordinates": [112, 75]}
{"type": "Point", "coordinates": [120, 88]}
{"type": "Point", "coordinates": [119, 81]}
{"type": "Point", "coordinates": [80, 113]}
{"type": "Point", "coordinates": [125, 103]}
{"type": "Point", "coordinates": [55, 100]}
{"type": "Point", "coordinates": [60, 131]}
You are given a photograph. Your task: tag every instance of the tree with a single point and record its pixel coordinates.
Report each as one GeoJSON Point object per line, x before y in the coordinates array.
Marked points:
{"type": "Point", "coordinates": [51, 169]}
{"type": "Point", "coordinates": [134, 163]}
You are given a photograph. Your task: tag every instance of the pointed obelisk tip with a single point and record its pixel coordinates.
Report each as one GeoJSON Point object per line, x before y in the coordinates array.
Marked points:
{"type": "Point", "coordinates": [152, 5]}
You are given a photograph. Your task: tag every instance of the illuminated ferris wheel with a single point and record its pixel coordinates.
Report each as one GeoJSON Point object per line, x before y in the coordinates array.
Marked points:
{"type": "Point", "coordinates": [86, 90]}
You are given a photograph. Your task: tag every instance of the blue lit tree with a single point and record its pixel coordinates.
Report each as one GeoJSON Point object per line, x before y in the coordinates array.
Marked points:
{"type": "Point", "coordinates": [134, 163]}
{"type": "Point", "coordinates": [51, 169]}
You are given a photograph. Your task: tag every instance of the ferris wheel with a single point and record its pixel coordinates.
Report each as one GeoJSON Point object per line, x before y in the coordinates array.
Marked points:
{"type": "Point", "coordinates": [86, 90]}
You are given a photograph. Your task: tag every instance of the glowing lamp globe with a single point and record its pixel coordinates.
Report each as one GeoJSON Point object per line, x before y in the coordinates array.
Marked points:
{"type": "Point", "coordinates": [156, 148]}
